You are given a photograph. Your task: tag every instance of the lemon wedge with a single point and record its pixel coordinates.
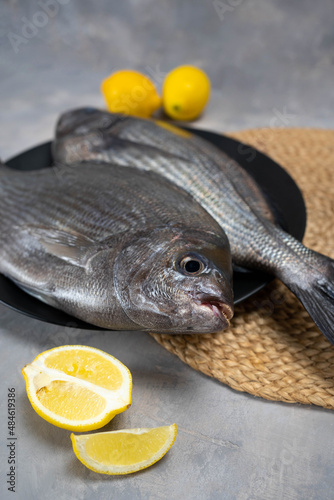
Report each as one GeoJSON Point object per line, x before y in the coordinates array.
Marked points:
{"type": "Point", "coordinates": [79, 388]}
{"type": "Point", "coordinates": [124, 451]}
{"type": "Point", "coordinates": [131, 93]}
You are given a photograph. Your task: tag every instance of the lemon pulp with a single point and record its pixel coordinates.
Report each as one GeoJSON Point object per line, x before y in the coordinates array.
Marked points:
{"type": "Point", "coordinates": [86, 366]}
{"type": "Point", "coordinates": [124, 451]}
{"type": "Point", "coordinates": [70, 401]}
{"type": "Point", "coordinates": [126, 448]}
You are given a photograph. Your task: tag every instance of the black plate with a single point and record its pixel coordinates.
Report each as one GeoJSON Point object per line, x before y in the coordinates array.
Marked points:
{"type": "Point", "coordinates": [278, 186]}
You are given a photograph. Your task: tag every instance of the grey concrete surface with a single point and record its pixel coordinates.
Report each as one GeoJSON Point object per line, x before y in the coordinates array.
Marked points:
{"type": "Point", "coordinates": [271, 64]}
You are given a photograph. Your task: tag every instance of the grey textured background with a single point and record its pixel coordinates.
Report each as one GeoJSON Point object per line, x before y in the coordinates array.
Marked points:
{"type": "Point", "coordinates": [264, 58]}
{"type": "Point", "coordinates": [271, 64]}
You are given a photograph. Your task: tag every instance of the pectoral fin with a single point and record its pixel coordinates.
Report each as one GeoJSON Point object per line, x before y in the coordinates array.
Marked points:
{"type": "Point", "coordinates": [67, 245]}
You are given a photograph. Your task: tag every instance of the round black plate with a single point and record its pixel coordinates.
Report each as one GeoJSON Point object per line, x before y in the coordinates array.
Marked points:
{"type": "Point", "coordinates": [277, 185]}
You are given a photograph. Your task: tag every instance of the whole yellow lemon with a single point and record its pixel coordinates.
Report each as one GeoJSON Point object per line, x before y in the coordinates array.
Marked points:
{"type": "Point", "coordinates": [185, 92]}
{"type": "Point", "coordinates": [131, 93]}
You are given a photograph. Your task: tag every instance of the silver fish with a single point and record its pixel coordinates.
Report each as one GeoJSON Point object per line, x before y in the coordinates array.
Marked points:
{"type": "Point", "coordinates": [120, 249]}
{"type": "Point", "coordinates": [219, 184]}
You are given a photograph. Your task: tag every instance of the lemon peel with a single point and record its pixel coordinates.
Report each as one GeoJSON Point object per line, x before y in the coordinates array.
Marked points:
{"type": "Point", "coordinates": [131, 93]}
{"type": "Point", "coordinates": [185, 93]}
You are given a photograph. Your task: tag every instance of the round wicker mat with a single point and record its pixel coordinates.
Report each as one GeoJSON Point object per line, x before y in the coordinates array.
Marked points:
{"type": "Point", "coordinates": [273, 349]}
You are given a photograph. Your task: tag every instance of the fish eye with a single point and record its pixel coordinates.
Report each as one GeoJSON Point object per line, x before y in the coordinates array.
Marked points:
{"type": "Point", "coordinates": [191, 265]}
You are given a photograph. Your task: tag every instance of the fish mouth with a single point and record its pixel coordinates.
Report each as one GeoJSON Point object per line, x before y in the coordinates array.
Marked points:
{"type": "Point", "coordinates": [219, 309]}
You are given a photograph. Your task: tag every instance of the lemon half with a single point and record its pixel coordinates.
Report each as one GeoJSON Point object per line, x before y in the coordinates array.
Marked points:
{"type": "Point", "coordinates": [79, 388]}
{"type": "Point", "coordinates": [124, 451]}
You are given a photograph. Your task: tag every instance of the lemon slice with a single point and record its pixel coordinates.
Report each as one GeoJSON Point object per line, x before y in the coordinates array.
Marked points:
{"type": "Point", "coordinates": [79, 388]}
{"type": "Point", "coordinates": [124, 451]}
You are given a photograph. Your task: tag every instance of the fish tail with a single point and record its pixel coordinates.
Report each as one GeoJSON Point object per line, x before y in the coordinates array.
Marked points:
{"type": "Point", "coordinates": [313, 283]}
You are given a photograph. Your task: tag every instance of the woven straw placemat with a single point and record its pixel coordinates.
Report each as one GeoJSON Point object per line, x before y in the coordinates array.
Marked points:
{"type": "Point", "coordinates": [273, 349]}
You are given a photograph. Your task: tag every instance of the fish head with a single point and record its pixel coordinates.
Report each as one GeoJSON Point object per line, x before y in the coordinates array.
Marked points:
{"type": "Point", "coordinates": [81, 121]}
{"type": "Point", "coordinates": [82, 135]}
{"type": "Point", "coordinates": [176, 281]}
